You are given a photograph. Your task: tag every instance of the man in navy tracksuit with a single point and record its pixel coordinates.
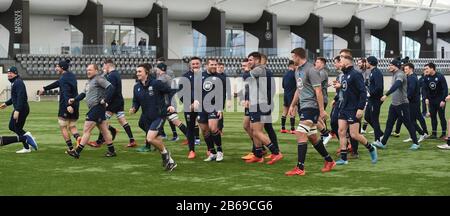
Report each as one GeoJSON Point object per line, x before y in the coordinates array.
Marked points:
{"type": "Point", "coordinates": [376, 87]}
{"type": "Point", "coordinates": [149, 94]}
{"type": "Point", "coordinates": [352, 107]}
{"type": "Point", "coordinates": [435, 91]}
{"type": "Point", "coordinates": [399, 107]}
{"type": "Point", "coordinates": [116, 106]}
{"type": "Point", "coordinates": [194, 77]}
{"type": "Point", "coordinates": [67, 114]}
{"type": "Point", "coordinates": [211, 110]}
{"type": "Point", "coordinates": [289, 86]}
{"type": "Point", "coordinates": [19, 100]}
{"type": "Point", "coordinates": [226, 90]}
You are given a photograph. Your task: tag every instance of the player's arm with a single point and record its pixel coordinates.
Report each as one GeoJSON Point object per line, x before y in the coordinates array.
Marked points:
{"type": "Point", "coordinates": [361, 87]}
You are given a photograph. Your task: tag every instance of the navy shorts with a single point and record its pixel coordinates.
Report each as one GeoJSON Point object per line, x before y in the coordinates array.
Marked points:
{"type": "Point", "coordinates": [310, 114]}
{"type": "Point", "coordinates": [116, 107]}
{"type": "Point", "coordinates": [96, 114]}
{"type": "Point", "coordinates": [203, 117]}
{"type": "Point", "coordinates": [151, 124]}
{"type": "Point", "coordinates": [349, 116]}
{"type": "Point", "coordinates": [287, 100]}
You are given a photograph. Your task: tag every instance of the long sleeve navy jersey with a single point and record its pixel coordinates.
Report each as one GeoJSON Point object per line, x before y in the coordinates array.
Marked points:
{"type": "Point", "coordinates": [68, 88]}
{"type": "Point", "coordinates": [19, 98]}
{"type": "Point", "coordinates": [114, 78]}
{"type": "Point", "coordinates": [435, 87]}
{"type": "Point", "coordinates": [376, 84]}
{"type": "Point", "coordinates": [150, 96]}
{"type": "Point", "coordinates": [354, 90]}
{"type": "Point", "coordinates": [210, 83]}
{"type": "Point", "coordinates": [195, 80]}
{"type": "Point", "coordinates": [413, 88]}
{"type": "Point", "coordinates": [289, 83]}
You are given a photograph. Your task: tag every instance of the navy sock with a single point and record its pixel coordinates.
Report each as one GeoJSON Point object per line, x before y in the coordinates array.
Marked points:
{"type": "Point", "coordinates": [79, 149]}
{"type": "Point", "coordinates": [258, 152]}
{"type": "Point", "coordinates": [69, 144]}
{"type": "Point", "coordinates": [301, 153]}
{"type": "Point", "coordinates": [173, 128]}
{"type": "Point", "coordinates": [292, 123]}
{"type": "Point", "coordinates": [273, 148]}
{"type": "Point", "coordinates": [217, 140]}
{"type": "Point", "coordinates": [182, 128]}
{"type": "Point", "coordinates": [6, 140]}
{"type": "Point", "coordinates": [369, 147]}
{"type": "Point", "coordinates": [76, 135]}
{"type": "Point", "coordinates": [283, 122]}
{"type": "Point", "coordinates": [344, 154]}
{"type": "Point", "coordinates": [323, 151]}
{"type": "Point", "coordinates": [110, 147]}
{"type": "Point", "coordinates": [210, 143]}
{"type": "Point", "coordinates": [127, 129]}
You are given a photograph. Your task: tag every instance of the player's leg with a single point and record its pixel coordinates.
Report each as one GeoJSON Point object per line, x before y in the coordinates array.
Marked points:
{"type": "Point", "coordinates": [443, 121]}
{"type": "Point", "coordinates": [63, 126]}
{"type": "Point", "coordinates": [126, 126]}
{"type": "Point", "coordinates": [87, 130]}
{"type": "Point", "coordinates": [103, 126]}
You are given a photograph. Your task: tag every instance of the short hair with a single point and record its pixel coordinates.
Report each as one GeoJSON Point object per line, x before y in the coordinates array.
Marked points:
{"type": "Point", "coordinates": [210, 59]}
{"type": "Point", "coordinates": [245, 60]}
{"type": "Point", "coordinates": [300, 52]}
{"type": "Point", "coordinates": [409, 64]}
{"type": "Point", "coordinates": [431, 65]}
{"type": "Point", "coordinates": [363, 60]}
{"type": "Point", "coordinates": [322, 59]}
{"type": "Point", "coordinates": [291, 63]}
{"type": "Point", "coordinates": [263, 56]}
{"type": "Point", "coordinates": [255, 55]}
{"type": "Point", "coordinates": [221, 64]}
{"type": "Point", "coordinates": [147, 67]}
{"type": "Point", "coordinates": [337, 58]}
{"type": "Point", "coordinates": [195, 58]}
{"type": "Point", "coordinates": [95, 66]}
{"type": "Point", "coordinates": [161, 59]}
{"type": "Point", "coordinates": [348, 51]}
{"type": "Point", "coordinates": [109, 61]}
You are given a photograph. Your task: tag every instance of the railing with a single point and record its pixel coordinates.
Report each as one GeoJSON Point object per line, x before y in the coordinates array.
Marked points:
{"type": "Point", "coordinates": [87, 50]}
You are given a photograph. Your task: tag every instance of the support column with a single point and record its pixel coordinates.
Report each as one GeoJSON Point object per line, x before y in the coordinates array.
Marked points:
{"type": "Point", "coordinates": [90, 23]}
{"type": "Point", "coordinates": [312, 33]}
{"type": "Point", "coordinates": [427, 38]}
{"type": "Point", "coordinates": [265, 29]}
{"type": "Point", "coordinates": [156, 26]}
{"type": "Point", "coordinates": [213, 27]}
{"type": "Point", "coordinates": [17, 21]}
{"type": "Point", "coordinates": [392, 35]}
{"type": "Point", "coordinates": [354, 34]}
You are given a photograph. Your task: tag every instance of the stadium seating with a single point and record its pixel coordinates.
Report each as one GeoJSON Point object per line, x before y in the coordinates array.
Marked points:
{"type": "Point", "coordinates": [43, 66]}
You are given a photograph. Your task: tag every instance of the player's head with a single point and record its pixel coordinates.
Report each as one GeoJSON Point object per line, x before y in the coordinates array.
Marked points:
{"type": "Point", "coordinates": [291, 65]}
{"type": "Point", "coordinates": [62, 66]}
{"type": "Point", "coordinates": [12, 72]}
{"type": "Point", "coordinates": [372, 62]}
{"type": "Point", "coordinates": [346, 58]}
{"type": "Point", "coordinates": [92, 70]}
{"type": "Point", "coordinates": [408, 68]}
{"type": "Point", "coordinates": [220, 67]}
{"type": "Point", "coordinates": [320, 63]}
{"type": "Point", "coordinates": [211, 65]}
{"type": "Point", "coordinates": [143, 71]}
{"type": "Point", "coordinates": [161, 68]}
{"type": "Point", "coordinates": [298, 56]}
{"type": "Point", "coordinates": [430, 69]}
{"type": "Point", "coordinates": [254, 59]}
{"type": "Point", "coordinates": [244, 64]}
{"type": "Point", "coordinates": [108, 66]}
{"type": "Point", "coordinates": [395, 65]}
{"type": "Point", "coordinates": [263, 59]}
{"type": "Point", "coordinates": [337, 63]}
{"type": "Point", "coordinates": [195, 63]}
{"type": "Point", "coordinates": [362, 64]}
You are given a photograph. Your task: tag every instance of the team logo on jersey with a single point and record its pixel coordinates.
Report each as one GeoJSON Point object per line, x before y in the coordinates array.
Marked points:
{"type": "Point", "coordinates": [300, 83]}
{"type": "Point", "coordinates": [207, 86]}
{"type": "Point", "coordinates": [432, 85]}
{"type": "Point", "coordinates": [150, 91]}
{"type": "Point", "coordinates": [344, 85]}
{"type": "Point", "coordinates": [436, 79]}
